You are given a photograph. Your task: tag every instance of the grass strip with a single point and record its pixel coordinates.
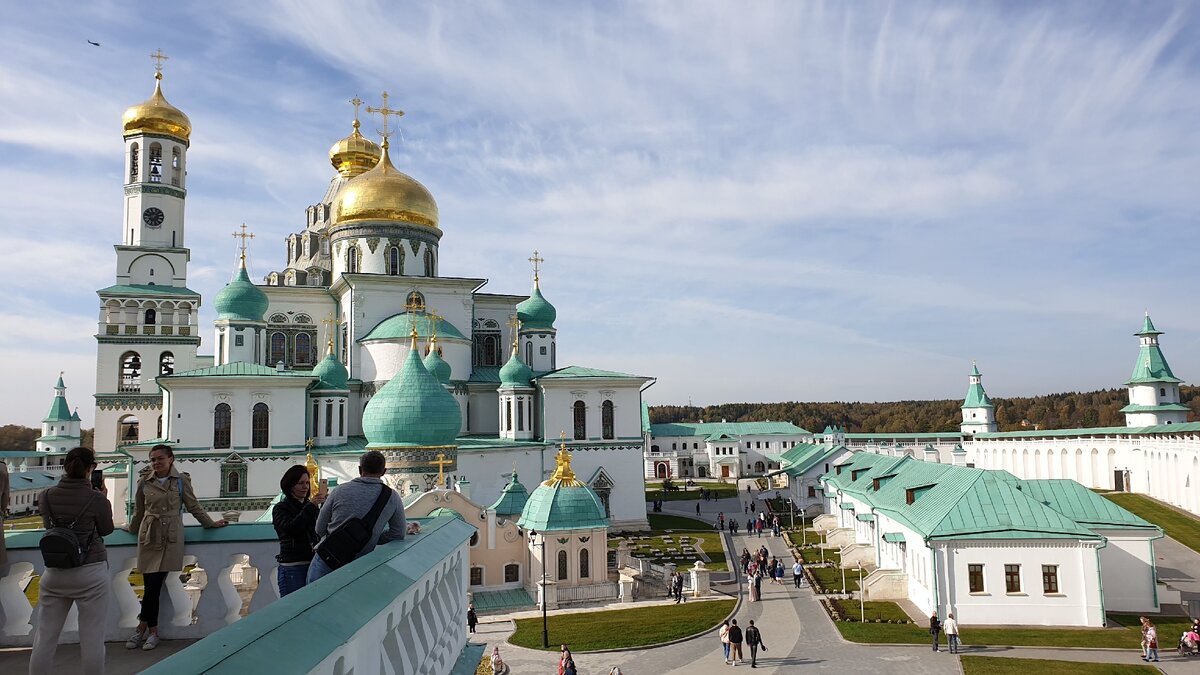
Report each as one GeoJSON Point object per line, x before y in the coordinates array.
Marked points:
{"type": "Point", "coordinates": [1032, 636]}
{"type": "Point", "coordinates": [1181, 527]}
{"type": "Point", "coordinates": [623, 628]}
{"type": "Point", "coordinates": [993, 665]}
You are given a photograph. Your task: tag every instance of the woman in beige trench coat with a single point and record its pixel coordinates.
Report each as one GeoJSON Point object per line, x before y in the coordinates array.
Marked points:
{"type": "Point", "coordinates": [162, 494]}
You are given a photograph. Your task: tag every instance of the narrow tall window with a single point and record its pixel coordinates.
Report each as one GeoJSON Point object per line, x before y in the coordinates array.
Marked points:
{"type": "Point", "coordinates": [428, 262]}
{"type": "Point", "coordinates": [176, 167]}
{"type": "Point", "coordinates": [520, 415]}
{"type": "Point", "coordinates": [584, 568]}
{"type": "Point", "coordinates": [316, 426]}
{"type": "Point", "coordinates": [395, 261]}
{"type": "Point", "coordinates": [476, 576]}
{"type": "Point", "coordinates": [606, 420]}
{"type": "Point", "coordinates": [303, 349]}
{"type": "Point", "coordinates": [1012, 578]}
{"type": "Point", "coordinates": [341, 419]}
{"type": "Point", "coordinates": [975, 578]}
{"type": "Point", "coordinates": [233, 483]}
{"type": "Point", "coordinates": [278, 348]}
{"type": "Point", "coordinates": [508, 415]}
{"type": "Point", "coordinates": [155, 163]}
{"type": "Point", "coordinates": [158, 433]}
{"type": "Point", "coordinates": [352, 260]}
{"type": "Point", "coordinates": [580, 412]}
{"type": "Point", "coordinates": [133, 163]}
{"type": "Point", "coordinates": [329, 418]}
{"type": "Point", "coordinates": [260, 425]}
{"type": "Point", "coordinates": [222, 425]}
{"type": "Point", "coordinates": [166, 363]}
{"type": "Point", "coordinates": [562, 565]}
{"type": "Point", "coordinates": [529, 352]}
{"type": "Point", "coordinates": [131, 372]}
{"type": "Point", "coordinates": [151, 317]}
{"type": "Point", "coordinates": [1049, 578]}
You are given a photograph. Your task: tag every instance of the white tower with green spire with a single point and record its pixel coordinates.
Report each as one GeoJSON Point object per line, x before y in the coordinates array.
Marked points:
{"type": "Point", "coordinates": [979, 415]}
{"type": "Point", "coordinates": [60, 428]}
{"type": "Point", "coordinates": [1153, 388]}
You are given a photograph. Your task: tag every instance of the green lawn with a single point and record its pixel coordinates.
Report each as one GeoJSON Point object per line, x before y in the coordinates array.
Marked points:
{"type": "Point", "coordinates": [719, 490]}
{"type": "Point", "coordinates": [1032, 636]}
{"type": "Point", "coordinates": [676, 527]}
{"type": "Point", "coordinates": [662, 521]}
{"type": "Point", "coordinates": [33, 522]}
{"type": "Point", "coordinates": [624, 628]}
{"type": "Point", "coordinates": [988, 665]}
{"type": "Point", "coordinates": [1181, 527]}
{"type": "Point", "coordinates": [874, 611]}
{"type": "Point", "coordinates": [831, 578]}
{"type": "Point", "coordinates": [805, 538]}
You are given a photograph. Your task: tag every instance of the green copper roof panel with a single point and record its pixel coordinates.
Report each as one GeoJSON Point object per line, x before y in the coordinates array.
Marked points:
{"type": "Point", "coordinates": [536, 312]}
{"type": "Point", "coordinates": [977, 397]}
{"type": "Point", "coordinates": [148, 289]}
{"type": "Point", "coordinates": [552, 509]}
{"type": "Point", "coordinates": [1165, 407]}
{"type": "Point", "coordinates": [947, 435]}
{"type": "Point", "coordinates": [399, 327]}
{"type": "Point", "coordinates": [846, 506]}
{"type": "Point", "coordinates": [1081, 504]}
{"type": "Point", "coordinates": [331, 374]}
{"type": "Point", "coordinates": [239, 369]}
{"type": "Point", "coordinates": [59, 412]}
{"type": "Point", "coordinates": [732, 429]}
{"type": "Point", "coordinates": [412, 409]}
{"type": "Point", "coordinates": [1148, 328]}
{"type": "Point", "coordinates": [1151, 367]}
{"type": "Point", "coordinates": [645, 418]}
{"type": "Point", "coordinates": [894, 537]}
{"type": "Point", "coordinates": [512, 498]}
{"type": "Point", "coordinates": [1189, 427]}
{"type": "Point", "coordinates": [240, 299]}
{"type": "Point", "coordinates": [579, 372]}
{"type": "Point", "coordinates": [865, 517]}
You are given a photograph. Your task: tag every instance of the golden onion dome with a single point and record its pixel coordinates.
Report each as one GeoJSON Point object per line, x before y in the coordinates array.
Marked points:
{"type": "Point", "coordinates": [156, 116]}
{"type": "Point", "coordinates": [384, 193]}
{"type": "Point", "coordinates": [354, 154]}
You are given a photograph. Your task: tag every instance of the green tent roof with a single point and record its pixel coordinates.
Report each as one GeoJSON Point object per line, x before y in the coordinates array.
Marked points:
{"type": "Point", "coordinates": [412, 409]}
{"type": "Point", "coordinates": [59, 412]}
{"type": "Point", "coordinates": [512, 498]}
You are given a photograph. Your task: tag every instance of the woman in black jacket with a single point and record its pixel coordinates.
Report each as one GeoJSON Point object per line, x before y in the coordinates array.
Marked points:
{"type": "Point", "coordinates": [295, 521]}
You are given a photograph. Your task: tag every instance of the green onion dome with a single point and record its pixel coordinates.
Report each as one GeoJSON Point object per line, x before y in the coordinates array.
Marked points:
{"type": "Point", "coordinates": [563, 502]}
{"type": "Point", "coordinates": [241, 300]}
{"type": "Point", "coordinates": [536, 311]}
{"type": "Point", "coordinates": [412, 409]}
{"type": "Point", "coordinates": [331, 373]}
{"type": "Point", "coordinates": [436, 365]}
{"type": "Point", "coordinates": [515, 373]}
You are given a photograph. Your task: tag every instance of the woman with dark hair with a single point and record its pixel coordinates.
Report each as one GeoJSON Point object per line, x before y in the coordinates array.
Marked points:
{"type": "Point", "coordinates": [295, 521]}
{"type": "Point", "coordinates": [162, 494]}
{"type": "Point", "coordinates": [74, 503]}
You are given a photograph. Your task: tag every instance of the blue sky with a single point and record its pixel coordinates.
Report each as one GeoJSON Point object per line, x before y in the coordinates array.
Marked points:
{"type": "Point", "coordinates": [750, 201]}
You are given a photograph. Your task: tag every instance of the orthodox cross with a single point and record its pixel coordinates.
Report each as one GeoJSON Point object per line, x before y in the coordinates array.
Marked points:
{"type": "Point", "coordinates": [442, 463]}
{"type": "Point", "coordinates": [158, 57]}
{"type": "Point", "coordinates": [537, 261]}
{"type": "Point", "coordinates": [414, 303]}
{"type": "Point", "coordinates": [386, 112]}
{"type": "Point", "coordinates": [329, 324]}
{"type": "Point", "coordinates": [434, 319]}
{"type": "Point", "coordinates": [356, 101]}
{"type": "Point", "coordinates": [514, 325]}
{"type": "Point", "coordinates": [243, 235]}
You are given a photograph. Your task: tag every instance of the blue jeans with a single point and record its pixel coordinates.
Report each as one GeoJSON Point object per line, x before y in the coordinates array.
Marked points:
{"type": "Point", "coordinates": [317, 569]}
{"type": "Point", "coordinates": [725, 645]}
{"type": "Point", "coordinates": [953, 639]}
{"type": "Point", "coordinates": [292, 578]}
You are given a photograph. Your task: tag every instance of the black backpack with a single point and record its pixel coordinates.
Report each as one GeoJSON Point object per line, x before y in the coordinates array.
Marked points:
{"type": "Point", "coordinates": [343, 544]}
{"type": "Point", "coordinates": [60, 544]}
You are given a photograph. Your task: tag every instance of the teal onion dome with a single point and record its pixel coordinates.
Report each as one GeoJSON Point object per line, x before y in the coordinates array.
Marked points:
{"type": "Point", "coordinates": [331, 374]}
{"type": "Point", "coordinates": [436, 365]}
{"type": "Point", "coordinates": [241, 300]}
{"type": "Point", "coordinates": [515, 373]}
{"type": "Point", "coordinates": [563, 502]}
{"type": "Point", "coordinates": [512, 498]}
{"type": "Point", "coordinates": [536, 312]}
{"type": "Point", "coordinates": [412, 409]}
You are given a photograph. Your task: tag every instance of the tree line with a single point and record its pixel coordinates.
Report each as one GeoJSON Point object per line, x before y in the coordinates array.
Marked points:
{"type": "Point", "coordinates": [1068, 410]}
{"type": "Point", "coordinates": [22, 438]}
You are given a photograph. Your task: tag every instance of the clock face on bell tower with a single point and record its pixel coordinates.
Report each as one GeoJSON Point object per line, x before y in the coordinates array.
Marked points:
{"type": "Point", "coordinates": [153, 217]}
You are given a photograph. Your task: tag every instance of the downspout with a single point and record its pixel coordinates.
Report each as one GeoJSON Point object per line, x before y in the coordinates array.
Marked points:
{"type": "Point", "coordinates": [1154, 567]}
{"type": "Point", "coordinates": [1100, 579]}
{"type": "Point", "coordinates": [129, 492]}
{"type": "Point", "coordinates": [937, 603]}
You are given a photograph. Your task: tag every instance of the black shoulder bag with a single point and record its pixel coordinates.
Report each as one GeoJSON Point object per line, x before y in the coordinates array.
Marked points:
{"type": "Point", "coordinates": [60, 544]}
{"type": "Point", "coordinates": [343, 544]}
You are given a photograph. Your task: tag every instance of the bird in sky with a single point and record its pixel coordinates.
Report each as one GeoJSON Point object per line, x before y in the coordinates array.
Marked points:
{"type": "Point", "coordinates": [94, 44]}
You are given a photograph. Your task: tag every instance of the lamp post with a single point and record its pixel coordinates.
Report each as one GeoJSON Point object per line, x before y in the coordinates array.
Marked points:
{"type": "Point", "coordinates": [843, 577]}
{"type": "Point", "coordinates": [823, 537]}
{"type": "Point", "coordinates": [792, 513]}
{"type": "Point", "coordinates": [803, 528]}
{"type": "Point", "coordinates": [545, 631]}
{"type": "Point", "coordinates": [862, 604]}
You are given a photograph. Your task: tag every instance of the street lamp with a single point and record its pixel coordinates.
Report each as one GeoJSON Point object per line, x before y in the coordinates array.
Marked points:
{"type": "Point", "coordinates": [803, 528]}
{"type": "Point", "coordinates": [824, 535]}
{"type": "Point", "coordinates": [843, 576]}
{"type": "Point", "coordinates": [862, 605]}
{"type": "Point", "coordinates": [545, 630]}
{"type": "Point", "coordinates": [792, 513]}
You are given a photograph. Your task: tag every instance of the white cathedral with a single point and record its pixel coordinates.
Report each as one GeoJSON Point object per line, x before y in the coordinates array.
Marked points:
{"type": "Point", "coordinates": [357, 344]}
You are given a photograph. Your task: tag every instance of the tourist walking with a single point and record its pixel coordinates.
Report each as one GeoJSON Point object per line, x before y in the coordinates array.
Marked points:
{"type": "Point", "coordinates": [75, 504]}
{"type": "Point", "coordinates": [679, 588]}
{"type": "Point", "coordinates": [366, 498]}
{"type": "Point", "coordinates": [935, 629]}
{"type": "Point", "coordinates": [721, 519]}
{"type": "Point", "coordinates": [697, 508]}
{"type": "Point", "coordinates": [472, 618]}
{"type": "Point", "coordinates": [951, 628]}
{"type": "Point", "coordinates": [745, 560]}
{"type": "Point", "coordinates": [758, 583]}
{"type": "Point", "coordinates": [735, 642]}
{"type": "Point", "coordinates": [163, 492]}
{"type": "Point", "coordinates": [1151, 642]}
{"type": "Point", "coordinates": [754, 639]}
{"type": "Point", "coordinates": [724, 635]}
{"type": "Point", "coordinates": [295, 521]}
{"type": "Point", "coordinates": [733, 526]}
{"type": "Point", "coordinates": [564, 657]}
{"type": "Point", "coordinates": [797, 573]}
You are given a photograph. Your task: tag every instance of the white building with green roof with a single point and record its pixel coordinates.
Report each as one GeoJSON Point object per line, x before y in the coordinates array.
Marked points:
{"type": "Point", "coordinates": [722, 450]}
{"type": "Point", "coordinates": [361, 278]}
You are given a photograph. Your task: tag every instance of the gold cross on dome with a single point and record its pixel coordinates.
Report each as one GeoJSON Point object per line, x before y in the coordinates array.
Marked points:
{"type": "Point", "coordinates": [356, 102]}
{"type": "Point", "coordinates": [514, 326]}
{"type": "Point", "coordinates": [537, 261]}
{"type": "Point", "coordinates": [158, 57]}
{"type": "Point", "coordinates": [386, 112]}
{"type": "Point", "coordinates": [243, 235]}
{"type": "Point", "coordinates": [442, 463]}
{"type": "Point", "coordinates": [329, 324]}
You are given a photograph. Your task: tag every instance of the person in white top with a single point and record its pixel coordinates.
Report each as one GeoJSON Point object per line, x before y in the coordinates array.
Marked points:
{"type": "Point", "coordinates": [725, 639]}
{"type": "Point", "coordinates": [951, 628]}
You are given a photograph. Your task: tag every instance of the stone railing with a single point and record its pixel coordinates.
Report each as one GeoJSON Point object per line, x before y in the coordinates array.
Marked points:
{"type": "Point", "coordinates": [400, 609]}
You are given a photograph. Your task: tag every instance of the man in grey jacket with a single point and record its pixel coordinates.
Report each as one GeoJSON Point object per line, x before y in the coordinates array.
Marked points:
{"type": "Point", "coordinates": [354, 500]}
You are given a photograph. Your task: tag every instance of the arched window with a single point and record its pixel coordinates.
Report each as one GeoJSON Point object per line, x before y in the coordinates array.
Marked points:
{"type": "Point", "coordinates": [759, 467]}
{"type": "Point", "coordinates": [133, 163]}
{"type": "Point", "coordinates": [176, 166]}
{"type": "Point", "coordinates": [233, 482]}
{"type": "Point", "coordinates": [508, 415]}
{"type": "Point", "coordinates": [158, 433]}
{"type": "Point", "coordinates": [428, 261]}
{"type": "Point", "coordinates": [352, 259]}
{"type": "Point", "coordinates": [303, 348]}
{"type": "Point", "coordinates": [562, 565]}
{"type": "Point", "coordinates": [580, 411]}
{"type": "Point", "coordinates": [151, 317]}
{"type": "Point", "coordinates": [520, 415]}
{"type": "Point", "coordinates": [278, 318]}
{"type": "Point", "coordinates": [260, 426]}
{"type": "Point", "coordinates": [584, 567]}
{"type": "Point", "coordinates": [529, 352]}
{"type": "Point", "coordinates": [395, 260]}
{"type": "Point", "coordinates": [416, 301]}
{"type": "Point", "coordinates": [222, 425]}
{"type": "Point", "coordinates": [166, 364]}
{"type": "Point", "coordinates": [128, 430]}
{"type": "Point", "coordinates": [278, 348]}
{"type": "Point", "coordinates": [606, 420]}
{"type": "Point", "coordinates": [155, 163]}
{"type": "Point", "coordinates": [131, 372]}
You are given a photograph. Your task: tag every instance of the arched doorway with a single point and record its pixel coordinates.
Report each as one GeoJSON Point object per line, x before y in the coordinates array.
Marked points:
{"type": "Point", "coordinates": [702, 472]}
{"type": "Point", "coordinates": [660, 470]}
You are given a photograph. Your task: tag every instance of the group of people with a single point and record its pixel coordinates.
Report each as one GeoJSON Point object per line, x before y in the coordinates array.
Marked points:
{"type": "Point", "coordinates": [949, 626]}
{"type": "Point", "coordinates": [675, 587]}
{"type": "Point", "coordinates": [757, 524]}
{"type": "Point", "coordinates": [77, 510]}
{"type": "Point", "coordinates": [732, 637]}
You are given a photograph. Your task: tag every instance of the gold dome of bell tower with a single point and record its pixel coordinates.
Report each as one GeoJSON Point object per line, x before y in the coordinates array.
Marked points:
{"type": "Point", "coordinates": [354, 154]}
{"type": "Point", "coordinates": [155, 115]}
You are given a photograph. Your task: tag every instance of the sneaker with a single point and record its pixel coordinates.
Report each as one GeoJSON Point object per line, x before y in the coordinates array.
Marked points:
{"type": "Point", "coordinates": [151, 642]}
{"type": "Point", "coordinates": [135, 641]}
